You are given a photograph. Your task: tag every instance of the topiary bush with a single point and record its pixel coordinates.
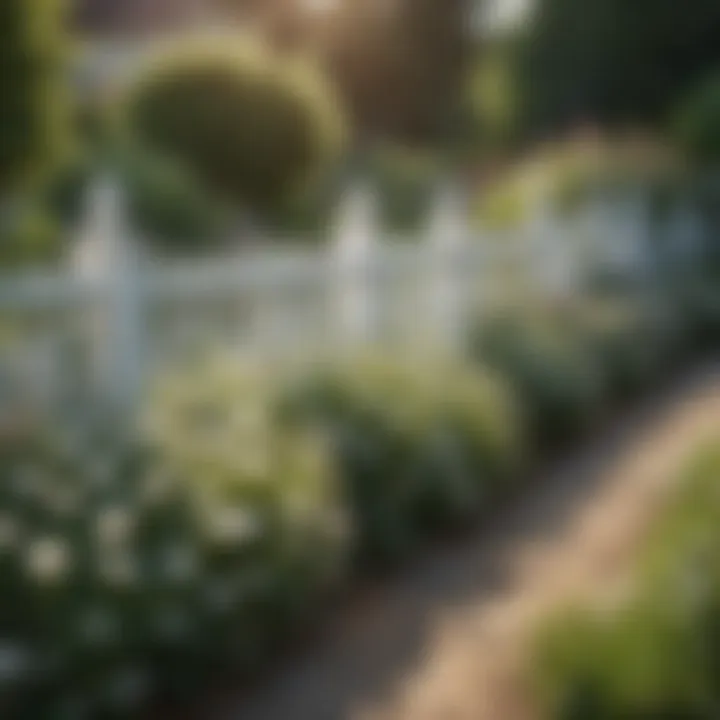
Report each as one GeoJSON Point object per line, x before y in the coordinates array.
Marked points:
{"type": "Point", "coordinates": [420, 446]}
{"type": "Point", "coordinates": [657, 654]}
{"type": "Point", "coordinates": [251, 127]}
{"type": "Point", "coordinates": [139, 569]}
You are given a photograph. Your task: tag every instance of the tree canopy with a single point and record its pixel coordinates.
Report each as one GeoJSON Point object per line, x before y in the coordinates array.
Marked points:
{"type": "Point", "coordinates": [613, 62]}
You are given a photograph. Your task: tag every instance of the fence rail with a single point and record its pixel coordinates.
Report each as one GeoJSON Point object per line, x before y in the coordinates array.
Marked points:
{"type": "Point", "coordinates": [135, 313]}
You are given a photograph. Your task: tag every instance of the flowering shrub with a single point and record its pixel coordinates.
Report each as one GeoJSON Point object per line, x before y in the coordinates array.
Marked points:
{"type": "Point", "coordinates": [137, 569]}
{"type": "Point", "coordinates": [419, 445]}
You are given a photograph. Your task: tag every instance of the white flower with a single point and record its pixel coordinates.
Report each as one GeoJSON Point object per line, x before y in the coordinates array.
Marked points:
{"type": "Point", "coordinates": [236, 525]}
{"type": "Point", "coordinates": [48, 559]}
{"type": "Point", "coordinates": [15, 662]}
{"type": "Point", "coordinates": [115, 525]}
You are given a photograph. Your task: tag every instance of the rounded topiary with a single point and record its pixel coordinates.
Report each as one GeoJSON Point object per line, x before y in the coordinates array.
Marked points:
{"type": "Point", "coordinates": [251, 127]}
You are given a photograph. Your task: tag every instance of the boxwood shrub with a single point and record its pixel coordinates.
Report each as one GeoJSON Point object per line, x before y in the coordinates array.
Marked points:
{"type": "Point", "coordinates": [558, 380]}
{"type": "Point", "coordinates": [420, 446]}
{"type": "Point", "coordinates": [635, 342]}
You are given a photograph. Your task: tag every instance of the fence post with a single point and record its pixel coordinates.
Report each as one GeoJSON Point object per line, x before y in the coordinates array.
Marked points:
{"type": "Point", "coordinates": [684, 234]}
{"type": "Point", "coordinates": [107, 257]}
{"type": "Point", "coordinates": [354, 255]}
{"type": "Point", "coordinates": [448, 234]}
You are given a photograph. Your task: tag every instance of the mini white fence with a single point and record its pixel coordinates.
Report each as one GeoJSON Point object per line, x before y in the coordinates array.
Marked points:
{"type": "Point", "coordinates": [135, 313]}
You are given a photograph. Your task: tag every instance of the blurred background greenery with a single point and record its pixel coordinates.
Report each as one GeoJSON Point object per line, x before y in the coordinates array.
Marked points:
{"type": "Point", "coordinates": [219, 110]}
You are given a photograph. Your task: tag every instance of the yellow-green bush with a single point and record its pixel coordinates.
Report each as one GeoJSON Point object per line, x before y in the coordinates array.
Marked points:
{"type": "Point", "coordinates": [658, 654]}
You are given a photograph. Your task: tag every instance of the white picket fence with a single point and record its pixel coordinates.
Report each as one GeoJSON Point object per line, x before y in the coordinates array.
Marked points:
{"type": "Point", "coordinates": [136, 313]}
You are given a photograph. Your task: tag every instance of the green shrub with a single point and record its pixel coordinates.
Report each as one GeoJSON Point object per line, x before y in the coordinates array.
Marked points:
{"type": "Point", "coordinates": [251, 127]}
{"type": "Point", "coordinates": [698, 123]}
{"type": "Point", "coordinates": [420, 446]}
{"type": "Point", "coordinates": [559, 383]}
{"type": "Point", "coordinates": [657, 655]}
{"type": "Point", "coordinates": [135, 569]}
{"type": "Point", "coordinates": [634, 342]}
{"type": "Point", "coordinates": [31, 235]}
{"type": "Point", "coordinates": [404, 178]}
{"type": "Point", "coordinates": [700, 301]}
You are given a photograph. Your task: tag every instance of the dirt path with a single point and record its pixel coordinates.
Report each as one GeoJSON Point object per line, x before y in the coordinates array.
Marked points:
{"type": "Point", "coordinates": [443, 641]}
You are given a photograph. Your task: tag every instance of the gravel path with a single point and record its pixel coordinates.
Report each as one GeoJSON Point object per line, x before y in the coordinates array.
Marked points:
{"type": "Point", "coordinates": [444, 640]}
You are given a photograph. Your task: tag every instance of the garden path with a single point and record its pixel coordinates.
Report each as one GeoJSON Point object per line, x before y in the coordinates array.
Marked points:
{"type": "Point", "coordinates": [445, 640]}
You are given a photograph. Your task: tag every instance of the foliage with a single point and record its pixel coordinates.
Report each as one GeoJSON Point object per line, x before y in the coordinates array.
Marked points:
{"type": "Point", "coordinates": [699, 299]}
{"type": "Point", "coordinates": [491, 96]}
{"type": "Point", "coordinates": [657, 654]}
{"type": "Point", "coordinates": [134, 570]}
{"type": "Point", "coordinates": [251, 127]}
{"type": "Point", "coordinates": [559, 382]}
{"type": "Point", "coordinates": [420, 445]}
{"type": "Point", "coordinates": [30, 235]}
{"type": "Point", "coordinates": [612, 62]}
{"type": "Point", "coordinates": [167, 205]}
{"type": "Point", "coordinates": [404, 179]}
{"type": "Point", "coordinates": [33, 106]}
{"type": "Point", "coordinates": [698, 124]}
{"type": "Point", "coordinates": [565, 175]}
{"type": "Point", "coordinates": [634, 342]}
